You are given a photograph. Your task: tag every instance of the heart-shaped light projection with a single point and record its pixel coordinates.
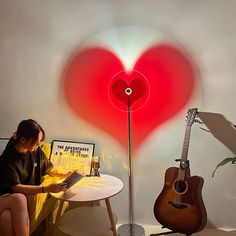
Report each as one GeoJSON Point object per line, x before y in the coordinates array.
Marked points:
{"type": "Point", "coordinates": [162, 81]}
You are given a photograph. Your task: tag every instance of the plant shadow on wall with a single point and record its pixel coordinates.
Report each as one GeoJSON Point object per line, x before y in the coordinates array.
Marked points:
{"type": "Point", "coordinates": [223, 130]}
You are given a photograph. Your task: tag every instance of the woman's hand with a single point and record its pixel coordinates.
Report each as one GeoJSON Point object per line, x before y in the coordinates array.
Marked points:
{"type": "Point", "coordinates": [55, 187]}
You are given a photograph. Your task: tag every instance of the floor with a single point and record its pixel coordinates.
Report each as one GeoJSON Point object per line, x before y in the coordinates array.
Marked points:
{"type": "Point", "coordinates": [205, 232]}
{"type": "Point", "coordinates": [148, 231]}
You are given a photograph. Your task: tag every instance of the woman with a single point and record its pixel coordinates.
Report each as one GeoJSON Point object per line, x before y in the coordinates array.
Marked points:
{"type": "Point", "coordinates": [14, 215]}
{"type": "Point", "coordinates": [22, 166]}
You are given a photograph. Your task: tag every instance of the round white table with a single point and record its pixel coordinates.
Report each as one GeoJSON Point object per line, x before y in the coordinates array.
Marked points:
{"type": "Point", "coordinates": [91, 189]}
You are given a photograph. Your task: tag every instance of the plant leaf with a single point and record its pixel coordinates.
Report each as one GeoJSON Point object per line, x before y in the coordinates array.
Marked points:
{"type": "Point", "coordinates": [225, 161]}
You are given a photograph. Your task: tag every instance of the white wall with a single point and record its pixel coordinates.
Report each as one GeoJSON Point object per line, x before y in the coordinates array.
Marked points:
{"type": "Point", "coordinates": [38, 37]}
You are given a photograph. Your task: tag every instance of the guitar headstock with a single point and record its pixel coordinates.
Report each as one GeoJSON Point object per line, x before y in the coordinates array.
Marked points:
{"type": "Point", "coordinates": [192, 113]}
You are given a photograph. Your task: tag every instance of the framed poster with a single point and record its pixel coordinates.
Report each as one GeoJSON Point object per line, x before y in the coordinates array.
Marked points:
{"type": "Point", "coordinates": [68, 156]}
{"type": "Point", "coordinates": [3, 144]}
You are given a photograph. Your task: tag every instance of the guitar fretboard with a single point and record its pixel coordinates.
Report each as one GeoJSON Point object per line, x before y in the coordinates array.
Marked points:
{"type": "Point", "coordinates": [184, 155]}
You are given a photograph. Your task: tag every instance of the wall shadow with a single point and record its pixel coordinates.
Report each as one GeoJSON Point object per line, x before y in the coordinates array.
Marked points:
{"type": "Point", "coordinates": [221, 128]}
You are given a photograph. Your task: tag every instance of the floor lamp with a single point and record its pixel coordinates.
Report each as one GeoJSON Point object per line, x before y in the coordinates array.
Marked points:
{"type": "Point", "coordinates": [130, 229]}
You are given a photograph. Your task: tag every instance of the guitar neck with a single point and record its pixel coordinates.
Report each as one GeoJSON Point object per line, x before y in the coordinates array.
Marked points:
{"type": "Point", "coordinates": [184, 156]}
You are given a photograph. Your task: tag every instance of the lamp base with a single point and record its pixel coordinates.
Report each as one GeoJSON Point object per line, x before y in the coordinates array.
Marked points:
{"type": "Point", "coordinates": [131, 230]}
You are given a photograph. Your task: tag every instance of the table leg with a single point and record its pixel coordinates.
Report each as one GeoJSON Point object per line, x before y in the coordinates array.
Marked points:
{"type": "Point", "coordinates": [60, 207]}
{"type": "Point", "coordinates": [113, 227]}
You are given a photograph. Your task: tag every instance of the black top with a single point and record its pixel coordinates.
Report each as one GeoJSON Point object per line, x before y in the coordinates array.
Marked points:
{"type": "Point", "coordinates": [17, 168]}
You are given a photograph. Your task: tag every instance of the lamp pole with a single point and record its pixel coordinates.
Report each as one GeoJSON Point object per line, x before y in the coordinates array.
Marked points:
{"type": "Point", "coordinates": [130, 229]}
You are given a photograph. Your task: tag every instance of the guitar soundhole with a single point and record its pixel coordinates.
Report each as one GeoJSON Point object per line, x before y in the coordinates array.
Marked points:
{"type": "Point", "coordinates": [180, 186]}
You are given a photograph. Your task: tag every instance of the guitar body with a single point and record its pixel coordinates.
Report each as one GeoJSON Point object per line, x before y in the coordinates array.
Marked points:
{"type": "Point", "coordinates": [179, 206]}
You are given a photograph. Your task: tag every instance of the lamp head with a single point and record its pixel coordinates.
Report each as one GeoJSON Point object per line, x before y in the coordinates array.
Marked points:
{"type": "Point", "coordinates": [128, 91]}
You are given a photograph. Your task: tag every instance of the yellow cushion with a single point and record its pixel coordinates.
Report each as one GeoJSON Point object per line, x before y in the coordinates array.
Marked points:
{"type": "Point", "coordinates": [46, 147]}
{"type": "Point", "coordinates": [40, 205]}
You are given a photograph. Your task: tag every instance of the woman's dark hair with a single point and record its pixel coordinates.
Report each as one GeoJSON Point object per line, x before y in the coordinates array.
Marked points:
{"type": "Point", "coordinates": [29, 129]}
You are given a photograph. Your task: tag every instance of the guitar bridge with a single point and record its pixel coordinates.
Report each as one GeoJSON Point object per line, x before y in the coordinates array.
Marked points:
{"type": "Point", "coordinates": [178, 205]}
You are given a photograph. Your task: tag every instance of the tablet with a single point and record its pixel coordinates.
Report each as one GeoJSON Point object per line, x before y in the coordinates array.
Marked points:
{"type": "Point", "coordinates": [72, 179]}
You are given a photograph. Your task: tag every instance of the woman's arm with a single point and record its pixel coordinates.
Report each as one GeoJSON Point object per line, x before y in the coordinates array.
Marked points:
{"type": "Point", "coordinates": [34, 189]}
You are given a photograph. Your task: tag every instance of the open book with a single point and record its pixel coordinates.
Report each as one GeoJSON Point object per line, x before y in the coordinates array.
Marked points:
{"type": "Point", "coordinates": [73, 179]}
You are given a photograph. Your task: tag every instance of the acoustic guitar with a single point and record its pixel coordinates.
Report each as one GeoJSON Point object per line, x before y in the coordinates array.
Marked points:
{"type": "Point", "coordinates": [180, 206]}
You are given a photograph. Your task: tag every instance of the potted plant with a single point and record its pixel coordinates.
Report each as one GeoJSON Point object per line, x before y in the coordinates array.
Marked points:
{"type": "Point", "coordinates": [225, 161]}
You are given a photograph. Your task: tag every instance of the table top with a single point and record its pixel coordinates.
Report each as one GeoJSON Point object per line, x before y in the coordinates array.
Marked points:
{"type": "Point", "coordinates": [92, 188]}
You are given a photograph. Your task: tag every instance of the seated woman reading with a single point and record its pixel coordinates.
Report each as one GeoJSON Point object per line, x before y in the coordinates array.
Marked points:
{"type": "Point", "coordinates": [22, 166]}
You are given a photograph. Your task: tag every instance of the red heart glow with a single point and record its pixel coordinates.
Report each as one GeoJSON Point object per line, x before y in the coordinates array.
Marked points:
{"type": "Point", "coordinates": [137, 90]}
{"type": "Point", "coordinates": [161, 81]}
{"type": "Point", "coordinates": [129, 89]}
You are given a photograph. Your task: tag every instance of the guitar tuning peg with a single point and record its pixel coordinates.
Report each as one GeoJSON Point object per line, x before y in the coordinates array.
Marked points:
{"type": "Point", "coordinates": [198, 121]}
